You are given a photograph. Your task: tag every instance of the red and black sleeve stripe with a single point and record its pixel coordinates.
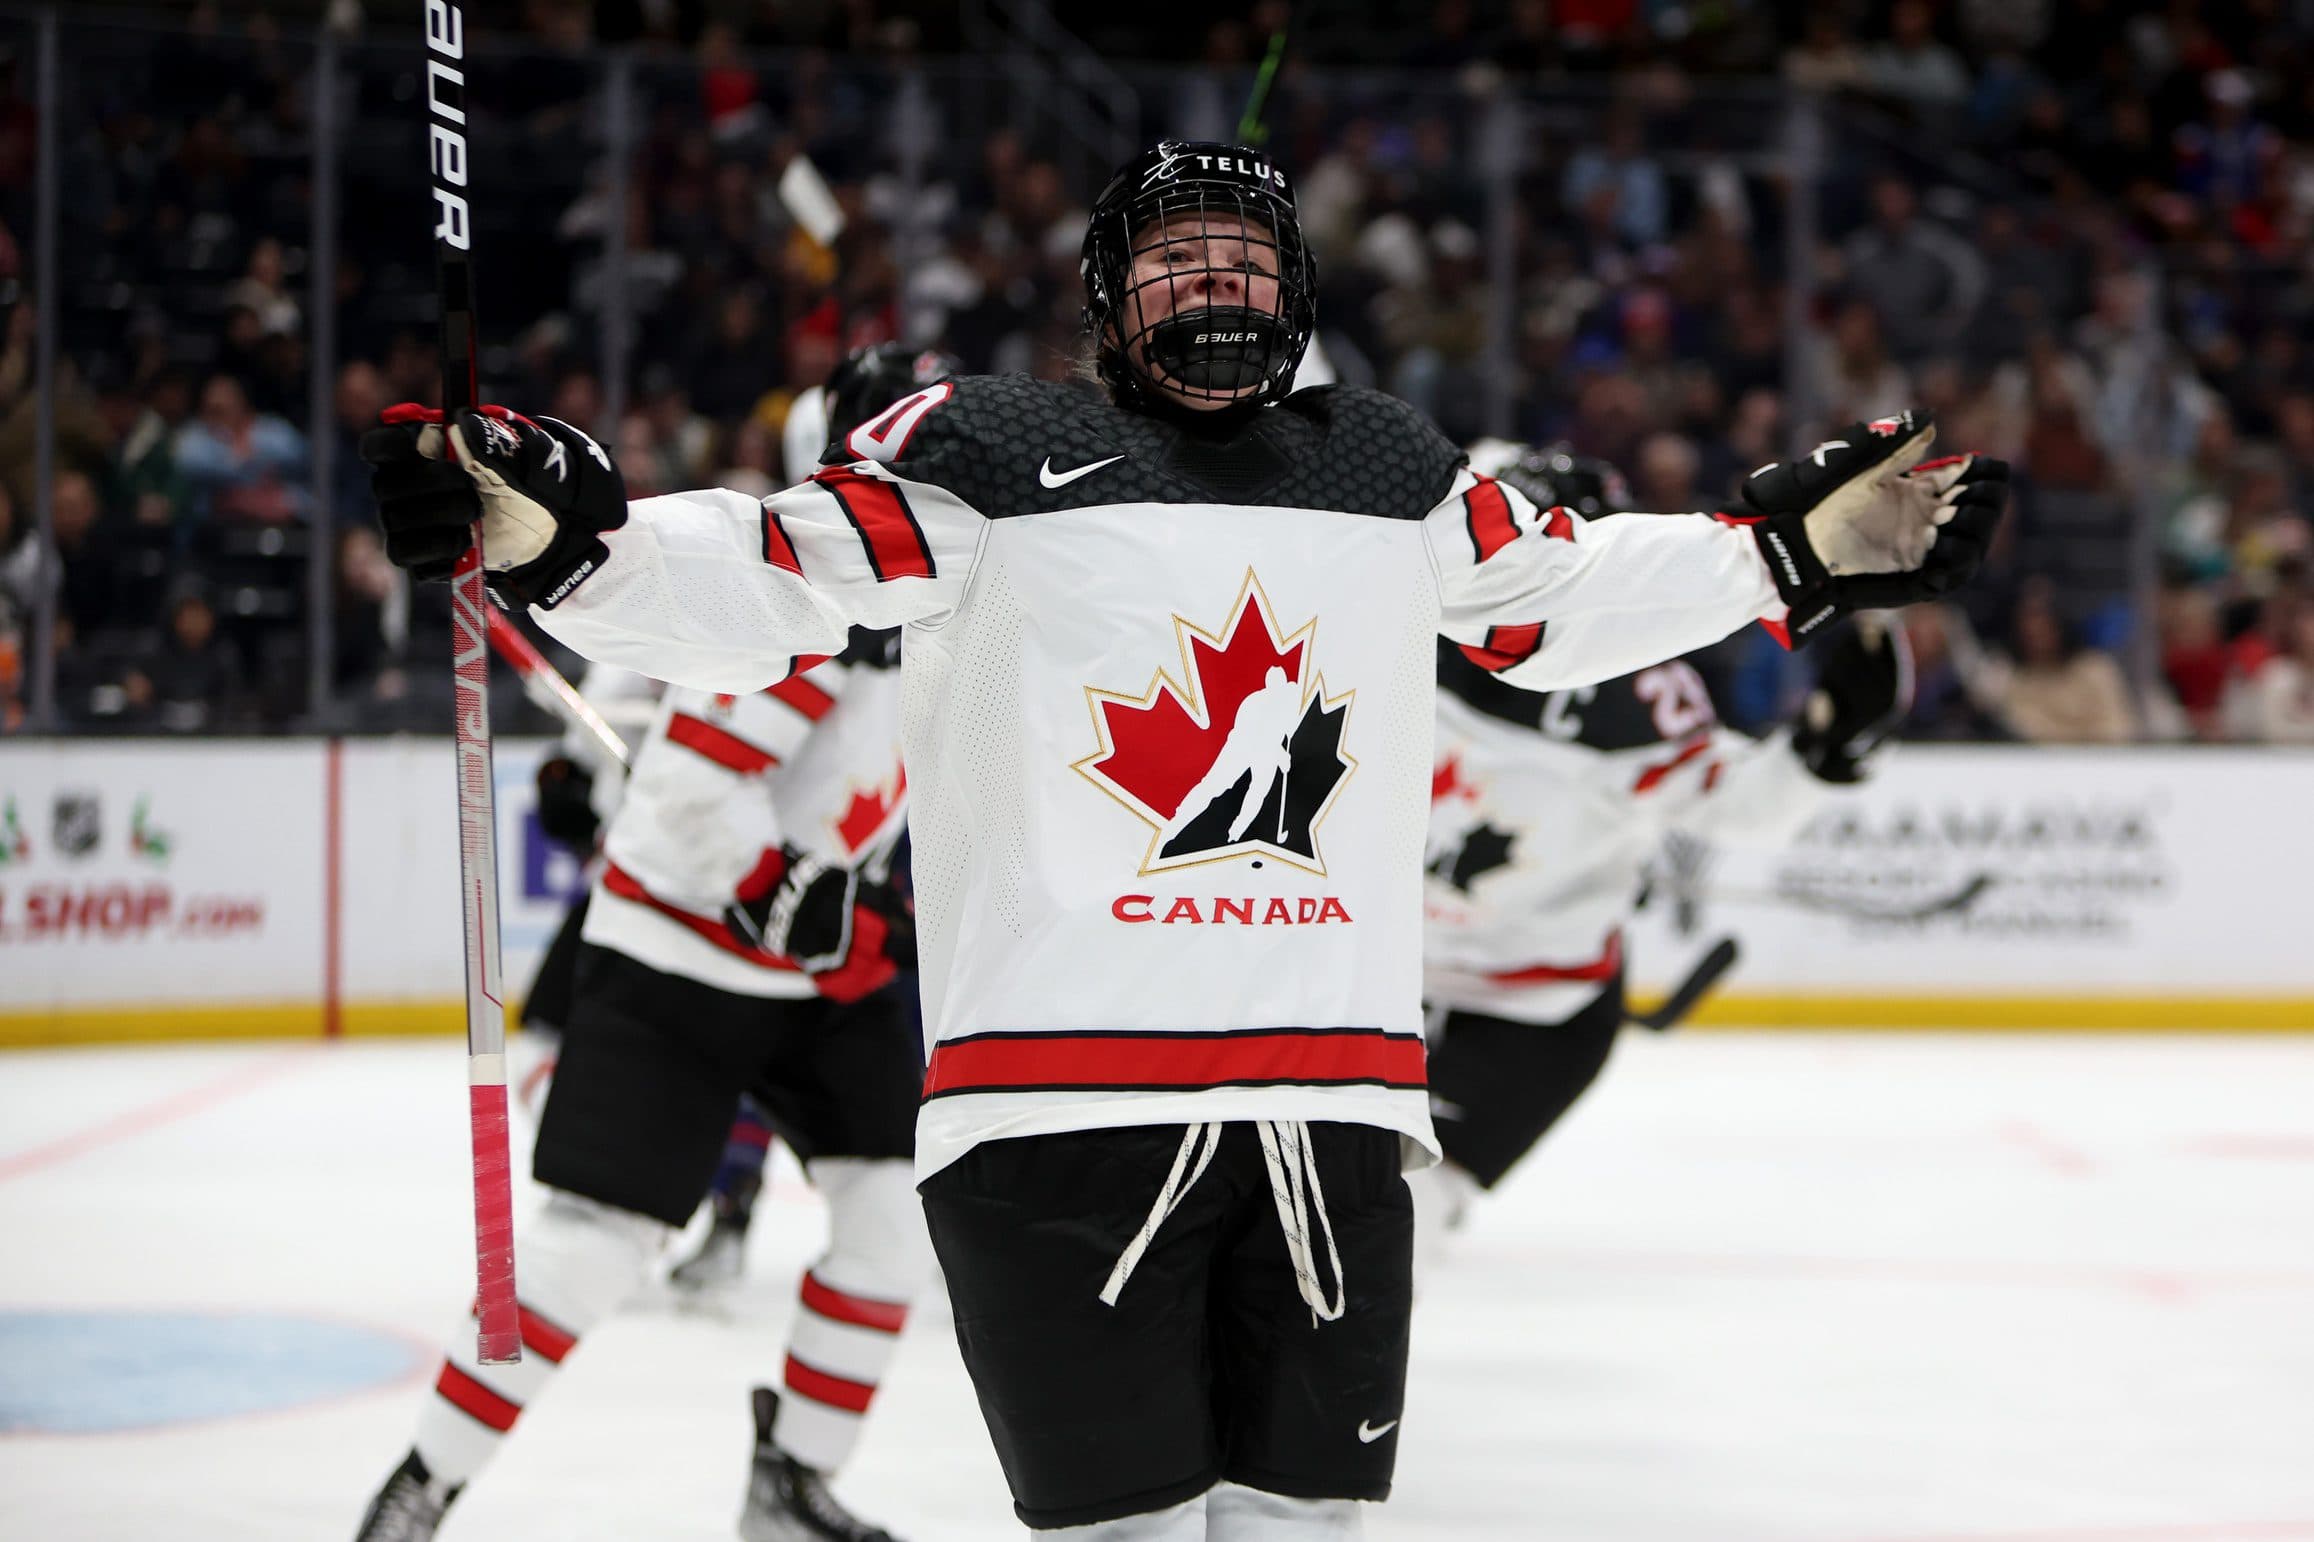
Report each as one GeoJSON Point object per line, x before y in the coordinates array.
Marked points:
{"type": "Point", "coordinates": [719, 745]}
{"type": "Point", "coordinates": [778, 550]}
{"type": "Point", "coordinates": [803, 695]}
{"type": "Point", "coordinates": [1505, 646]}
{"type": "Point", "coordinates": [1487, 513]}
{"type": "Point", "coordinates": [887, 526]}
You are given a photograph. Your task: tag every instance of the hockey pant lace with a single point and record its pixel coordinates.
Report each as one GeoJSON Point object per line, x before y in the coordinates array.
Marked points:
{"type": "Point", "coordinates": [1292, 1163]}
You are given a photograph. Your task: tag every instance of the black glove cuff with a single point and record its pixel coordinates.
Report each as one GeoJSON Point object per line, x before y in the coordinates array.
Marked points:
{"type": "Point", "coordinates": [1801, 579]}
{"type": "Point", "coordinates": [550, 578]}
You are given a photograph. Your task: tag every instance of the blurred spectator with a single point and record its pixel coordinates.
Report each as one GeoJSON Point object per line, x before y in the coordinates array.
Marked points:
{"type": "Point", "coordinates": [240, 464]}
{"type": "Point", "coordinates": [1922, 281]}
{"type": "Point", "coordinates": [2276, 705]}
{"type": "Point", "coordinates": [193, 681]}
{"type": "Point", "coordinates": [2195, 662]}
{"type": "Point", "coordinates": [1620, 173]}
{"type": "Point", "coordinates": [261, 291]}
{"type": "Point", "coordinates": [1852, 375]}
{"type": "Point", "coordinates": [1912, 66]}
{"type": "Point", "coordinates": [1826, 58]}
{"type": "Point", "coordinates": [2053, 690]}
{"type": "Point", "coordinates": [89, 583]}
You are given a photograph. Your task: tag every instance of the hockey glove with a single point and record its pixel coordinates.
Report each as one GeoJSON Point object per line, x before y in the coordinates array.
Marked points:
{"type": "Point", "coordinates": [1863, 690]}
{"type": "Point", "coordinates": [1857, 526]}
{"type": "Point", "coordinates": [856, 935]}
{"type": "Point", "coordinates": [566, 807]}
{"type": "Point", "coordinates": [542, 490]}
{"type": "Point", "coordinates": [805, 916]}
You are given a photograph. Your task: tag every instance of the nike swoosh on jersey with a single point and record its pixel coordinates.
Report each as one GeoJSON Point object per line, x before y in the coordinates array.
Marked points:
{"type": "Point", "coordinates": [1052, 478]}
{"type": "Point", "coordinates": [1368, 1434]}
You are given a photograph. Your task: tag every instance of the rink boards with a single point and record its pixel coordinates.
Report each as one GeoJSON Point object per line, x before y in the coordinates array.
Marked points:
{"type": "Point", "coordinates": [296, 887]}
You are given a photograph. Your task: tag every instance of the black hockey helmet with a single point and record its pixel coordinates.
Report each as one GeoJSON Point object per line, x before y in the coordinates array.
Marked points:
{"type": "Point", "coordinates": [1554, 476]}
{"type": "Point", "coordinates": [871, 379]}
{"type": "Point", "coordinates": [1164, 201]}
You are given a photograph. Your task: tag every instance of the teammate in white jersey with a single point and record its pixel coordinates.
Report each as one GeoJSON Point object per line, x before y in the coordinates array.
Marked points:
{"type": "Point", "coordinates": [1545, 809]}
{"type": "Point", "coordinates": [1177, 1067]}
{"type": "Point", "coordinates": [864, 384]}
{"type": "Point", "coordinates": [725, 955]}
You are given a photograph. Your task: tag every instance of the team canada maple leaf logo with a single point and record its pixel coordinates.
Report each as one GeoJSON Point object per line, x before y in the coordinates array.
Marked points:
{"type": "Point", "coordinates": [869, 809]}
{"type": "Point", "coordinates": [1463, 845]}
{"type": "Point", "coordinates": [1240, 757]}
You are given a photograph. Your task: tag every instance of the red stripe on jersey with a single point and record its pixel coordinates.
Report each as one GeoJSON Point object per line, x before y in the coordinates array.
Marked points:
{"type": "Point", "coordinates": [475, 1400]}
{"type": "Point", "coordinates": [1491, 526]}
{"type": "Point", "coordinates": [1604, 967]}
{"type": "Point", "coordinates": [1740, 521]}
{"type": "Point", "coordinates": [1781, 631]}
{"type": "Point", "coordinates": [1653, 776]}
{"type": "Point", "coordinates": [803, 661]}
{"type": "Point", "coordinates": [724, 748]}
{"type": "Point", "coordinates": [835, 1391]}
{"type": "Point", "coordinates": [1559, 523]}
{"type": "Point", "coordinates": [768, 870]}
{"type": "Point", "coordinates": [778, 550]}
{"type": "Point", "coordinates": [545, 1337]}
{"type": "Point", "coordinates": [1711, 774]}
{"type": "Point", "coordinates": [859, 1311]}
{"type": "Point", "coordinates": [1000, 1062]}
{"type": "Point", "coordinates": [617, 880]}
{"type": "Point", "coordinates": [801, 694]}
{"type": "Point", "coordinates": [887, 526]}
{"type": "Point", "coordinates": [1505, 646]}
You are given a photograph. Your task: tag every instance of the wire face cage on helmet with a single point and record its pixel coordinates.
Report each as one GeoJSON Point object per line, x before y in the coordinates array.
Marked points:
{"type": "Point", "coordinates": [1198, 286]}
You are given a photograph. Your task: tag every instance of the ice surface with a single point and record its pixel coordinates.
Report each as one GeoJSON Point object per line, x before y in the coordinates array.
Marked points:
{"type": "Point", "coordinates": [1807, 1288]}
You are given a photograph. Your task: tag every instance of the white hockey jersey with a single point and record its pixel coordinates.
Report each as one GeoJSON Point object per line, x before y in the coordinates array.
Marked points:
{"type": "Point", "coordinates": [1544, 810]}
{"type": "Point", "coordinates": [1168, 716]}
{"type": "Point", "coordinates": [720, 783]}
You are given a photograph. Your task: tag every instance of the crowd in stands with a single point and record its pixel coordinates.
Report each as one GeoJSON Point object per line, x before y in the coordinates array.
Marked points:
{"type": "Point", "coordinates": [2082, 231]}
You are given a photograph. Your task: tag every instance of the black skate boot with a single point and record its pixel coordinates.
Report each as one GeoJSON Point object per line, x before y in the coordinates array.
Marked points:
{"type": "Point", "coordinates": [789, 1502]}
{"type": "Point", "coordinates": [720, 1261]}
{"type": "Point", "coordinates": [409, 1508]}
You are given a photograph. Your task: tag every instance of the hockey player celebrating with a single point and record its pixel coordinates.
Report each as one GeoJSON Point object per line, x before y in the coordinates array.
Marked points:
{"type": "Point", "coordinates": [1544, 810]}
{"type": "Point", "coordinates": [1177, 1067]}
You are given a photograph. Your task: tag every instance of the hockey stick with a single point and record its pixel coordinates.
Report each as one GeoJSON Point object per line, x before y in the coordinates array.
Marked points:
{"type": "Point", "coordinates": [1250, 128]}
{"type": "Point", "coordinates": [1673, 1009]}
{"type": "Point", "coordinates": [498, 1318]}
{"type": "Point", "coordinates": [549, 691]}
{"type": "Point", "coordinates": [1958, 900]}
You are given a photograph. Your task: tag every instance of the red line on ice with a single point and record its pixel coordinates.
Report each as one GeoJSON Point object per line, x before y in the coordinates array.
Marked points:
{"type": "Point", "coordinates": [150, 1116]}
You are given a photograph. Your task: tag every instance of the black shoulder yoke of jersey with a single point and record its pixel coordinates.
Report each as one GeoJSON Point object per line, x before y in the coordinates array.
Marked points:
{"type": "Point", "coordinates": [1608, 716]}
{"type": "Point", "coordinates": [1010, 446]}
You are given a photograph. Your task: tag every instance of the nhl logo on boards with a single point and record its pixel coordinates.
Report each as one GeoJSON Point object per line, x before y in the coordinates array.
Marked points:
{"type": "Point", "coordinates": [77, 824]}
{"type": "Point", "coordinates": [1242, 757]}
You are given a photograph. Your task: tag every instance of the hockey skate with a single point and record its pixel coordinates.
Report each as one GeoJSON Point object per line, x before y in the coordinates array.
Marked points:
{"type": "Point", "coordinates": [789, 1502]}
{"type": "Point", "coordinates": [719, 1262]}
{"type": "Point", "coordinates": [409, 1508]}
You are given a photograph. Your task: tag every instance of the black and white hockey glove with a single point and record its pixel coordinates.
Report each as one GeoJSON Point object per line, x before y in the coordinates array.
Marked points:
{"type": "Point", "coordinates": [1857, 525]}
{"type": "Point", "coordinates": [543, 492]}
{"type": "Point", "coordinates": [806, 916]}
{"type": "Point", "coordinates": [1863, 691]}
